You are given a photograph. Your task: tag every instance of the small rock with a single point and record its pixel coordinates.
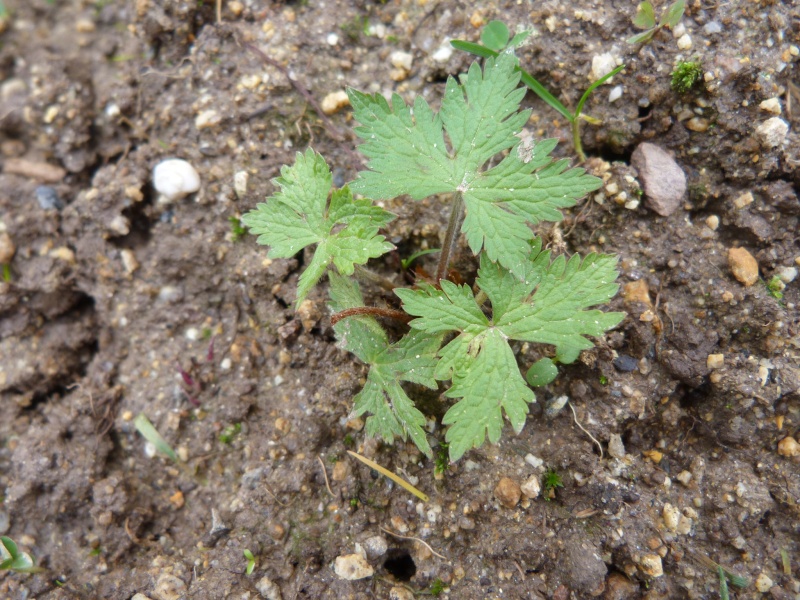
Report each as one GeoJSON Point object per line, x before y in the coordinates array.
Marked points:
{"type": "Point", "coordinates": [554, 405]}
{"type": "Point", "coordinates": [615, 94]}
{"type": "Point", "coordinates": [602, 64]}
{"type": "Point", "coordinates": [651, 565]}
{"type": "Point", "coordinates": [698, 124]}
{"type": "Point", "coordinates": [534, 461]}
{"type": "Point", "coordinates": [268, 589]}
{"type": "Point", "coordinates": [531, 487]}
{"type": "Point", "coordinates": [685, 477]}
{"type": "Point", "coordinates": [63, 253]}
{"type": "Point", "coordinates": [332, 39]}
{"type": "Point", "coordinates": [443, 54]}
{"type": "Point", "coordinates": [207, 119]}
{"type": "Point", "coordinates": [175, 178]}
{"type": "Point", "coordinates": [619, 587]}
{"type": "Point", "coordinates": [399, 593]}
{"type": "Point", "coordinates": [352, 567]}
{"type": "Point", "coordinates": [743, 266]}
{"type": "Point", "coordinates": [375, 547]}
{"type": "Point", "coordinates": [786, 274]}
{"type": "Point", "coordinates": [169, 587]}
{"type": "Point", "coordinates": [309, 314]}
{"type": "Point", "coordinates": [763, 583]}
{"type": "Point", "coordinates": [340, 470]}
{"type": "Point", "coordinates": [40, 171]}
{"type": "Point", "coordinates": [712, 222]}
{"type": "Point", "coordinates": [685, 42]}
{"type": "Point", "coordinates": [401, 60]}
{"type": "Point", "coordinates": [771, 105]}
{"type": "Point", "coordinates": [47, 198]}
{"type": "Point", "coordinates": [789, 447]}
{"type": "Point", "coordinates": [334, 102]}
{"type": "Point", "coordinates": [508, 492]}
{"type": "Point", "coordinates": [772, 132]}
{"type": "Point", "coordinates": [240, 180]}
{"type": "Point", "coordinates": [636, 291]}
{"type": "Point", "coordinates": [662, 178]}
{"type": "Point", "coordinates": [625, 363]}
{"type": "Point", "coordinates": [616, 448]}
{"type": "Point", "coordinates": [671, 516]}
{"type": "Point", "coordinates": [684, 525]}
{"type": "Point", "coordinates": [7, 248]}
{"type": "Point", "coordinates": [712, 27]}
{"type": "Point", "coordinates": [743, 200]}
{"type": "Point", "coordinates": [715, 361]}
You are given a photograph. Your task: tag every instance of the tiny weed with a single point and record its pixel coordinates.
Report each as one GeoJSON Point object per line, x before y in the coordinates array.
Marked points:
{"type": "Point", "coordinates": [552, 480]}
{"type": "Point", "coordinates": [348, 441]}
{"type": "Point", "coordinates": [238, 231]}
{"type": "Point", "coordinates": [442, 460]}
{"type": "Point", "coordinates": [96, 551]}
{"type": "Point", "coordinates": [495, 37]}
{"type": "Point", "coordinates": [603, 380]}
{"type": "Point", "coordinates": [150, 433]}
{"type": "Point", "coordinates": [775, 287]}
{"type": "Point", "coordinates": [11, 559]}
{"type": "Point", "coordinates": [251, 561]}
{"type": "Point", "coordinates": [437, 587]}
{"type": "Point", "coordinates": [646, 19]}
{"type": "Point", "coordinates": [7, 273]}
{"type": "Point", "coordinates": [685, 76]}
{"type": "Point", "coordinates": [230, 432]}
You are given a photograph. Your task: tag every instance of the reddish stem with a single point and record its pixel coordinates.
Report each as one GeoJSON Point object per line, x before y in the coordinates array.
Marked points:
{"type": "Point", "coordinates": [372, 311]}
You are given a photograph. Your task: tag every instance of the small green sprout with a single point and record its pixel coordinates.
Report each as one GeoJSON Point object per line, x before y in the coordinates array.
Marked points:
{"type": "Point", "coordinates": [442, 460]}
{"type": "Point", "coordinates": [646, 19]}
{"type": "Point", "coordinates": [348, 441]}
{"type": "Point", "coordinates": [7, 273]}
{"type": "Point", "coordinates": [437, 587]}
{"type": "Point", "coordinates": [685, 76]}
{"type": "Point", "coordinates": [251, 561]}
{"type": "Point", "coordinates": [495, 38]}
{"type": "Point", "coordinates": [542, 372]}
{"type": "Point", "coordinates": [603, 380]}
{"type": "Point", "coordinates": [150, 433]}
{"type": "Point", "coordinates": [230, 432]}
{"type": "Point", "coordinates": [238, 231]}
{"type": "Point", "coordinates": [552, 480]}
{"type": "Point", "coordinates": [12, 559]}
{"type": "Point", "coordinates": [775, 287]}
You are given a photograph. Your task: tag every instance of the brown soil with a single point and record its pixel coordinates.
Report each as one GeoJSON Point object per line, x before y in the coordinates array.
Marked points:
{"type": "Point", "coordinates": [111, 294]}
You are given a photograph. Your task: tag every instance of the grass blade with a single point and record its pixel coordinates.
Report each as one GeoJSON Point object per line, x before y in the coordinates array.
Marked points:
{"type": "Point", "coordinates": [473, 48]}
{"type": "Point", "coordinates": [150, 433]}
{"type": "Point", "coordinates": [398, 480]}
{"type": "Point", "coordinates": [545, 95]}
{"type": "Point", "coordinates": [594, 86]}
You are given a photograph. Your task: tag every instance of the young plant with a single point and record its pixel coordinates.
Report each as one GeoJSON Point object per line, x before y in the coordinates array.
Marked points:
{"type": "Point", "coordinates": [12, 559]}
{"type": "Point", "coordinates": [646, 19]}
{"type": "Point", "coordinates": [685, 76]}
{"type": "Point", "coordinates": [495, 38]}
{"type": "Point", "coordinates": [499, 188]}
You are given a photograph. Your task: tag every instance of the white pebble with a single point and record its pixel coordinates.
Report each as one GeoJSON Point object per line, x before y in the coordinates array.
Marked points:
{"type": "Point", "coordinates": [531, 487]}
{"type": "Point", "coordinates": [332, 39]}
{"type": "Point", "coordinates": [401, 60]}
{"type": "Point", "coordinates": [615, 93]}
{"type": "Point", "coordinates": [771, 105]}
{"type": "Point", "coordinates": [225, 365]}
{"type": "Point", "coordinates": [352, 567]}
{"type": "Point", "coordinates": [763, 583]}
{"type": "Point", "coordinates": [534, 461]}
{"type": "Point", "coordinates": [150, 450]}
{"type": "Point", "coordinates": [685, 42]}
{"type": "Point", "coordinates": [175, 178]}
{"type": "Point", "coordinates": [671, 516]}
{"type": "Point", "coordinates": [443, 54]}
{"type": "Point", "coordinates": [240, 179]}
{"type": "Point", "coordinates": [207, 119]}
{"type": "Point", "coordinates": [786, 274]}
{"type": "Point", "coordinates": [772, 132]}
{"type": "Point", "coordinates": [334, 102]}
{"type": "Point", "coordinates": [602, 64]}
{"type": "Point", "coordinates": [679, 30]}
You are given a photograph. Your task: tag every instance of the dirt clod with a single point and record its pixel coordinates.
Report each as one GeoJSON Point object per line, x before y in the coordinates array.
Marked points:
{"type": "Point", "coordinates": [507, 492]}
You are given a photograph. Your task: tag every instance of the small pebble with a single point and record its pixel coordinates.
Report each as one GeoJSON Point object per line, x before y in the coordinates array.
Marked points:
{"type": "Point", "coordinates": [615, 94]}
{"type": "Point", "coordinates": [207, 119]}
{"type": "Point", "coordinates": [534, 461]}
{"type": "Point", "coordinates": [698, 124]}
{"type": "Point", "coordinates": [715, 361]}
{"type": "Point", "coordinates": [7, 248]}
{"type": "Point", "coordinates": [743, 266]}
{"type": "Point", "coordinates": [771, 105]}
{"type": "Point", "coordinates": [129, 260]}
{"type": "Point", "coordinates": [175, 178]}
{"type": "Point", "coordinates": [743, 200]}
{"type": "Point", "coordinates": [334, 102]}
{"type": "Point", "coordinates": [789, 447]}
{"type": "Point", "coordinates": [671, 516]}
{"type": "Point", "coordinates": [685, 42]}
{"type": "Point", "coordinates": [772, 132]}
{"type": "Point", "coordinates": [507, 492]}
{"type": "Point", "coordinates": [663, 180]}
{"type": "Point", "coordinates": [531, 487]}
{"type": "Point", "coordinates": [625, 363]}
{"type": "Point", "coordinates": [352, 567]}
{"type": "Point", "coordinates": [400, 593]}
{"type": "Point", "coordinates": [240, 180]}
{"type": "Point", "coordinates": [685, 477]}
{"type": "Point", "coordinates": [712, 222]}
{"type": "Point", "coordinates": [616, 448]}
{"type": "Point", "coordinates": [443, 54]}
{"type": "Point", "coordinates": [554, 406]}
{"type": "Point", "coordinates": [712, 27]}
{"type": "Point", "coordinates": [375, 546]}
{"type": "Point", "coordinates": [602, 64]}
{"type": "Point", "coordinates": [332, 39]}
{"type": "Point", "coordinates": [401, 60]}
{"type": "Point", "coordinates": [268, 589]}
{"type": "Point", "coordinates": [48, 199]}
{"type": "Point", "coordinates": [763, 583]}
{"type": "Point", "coordinates": [786, 274]}
{"type": "Point", "coordinates": [651, 565]}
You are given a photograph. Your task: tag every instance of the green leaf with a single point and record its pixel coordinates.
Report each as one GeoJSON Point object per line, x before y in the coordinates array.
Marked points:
{"type": "Point", "coordinates": [542, 372]}
{"type": "Point", "coordinates": [495, 35]}
{"type": "Point", "coordinates": [593, 87]}
{"type": "Point", "coordinates": [480, 115]}
{"type": "Point", "coordinates": [473, 48]}
{"type": "Point", "coordinates": [645, 16]}
{"type": "Point", "coordinates": [345, 231]}
{"type": "Point", "coordinates": [642, 37]}
{"type": "Point", "coordinates": [542, 302]}
{"type": "Point", "coordinates": [672, 16]}
{"type": "Point", "coordinates": [412, 359]}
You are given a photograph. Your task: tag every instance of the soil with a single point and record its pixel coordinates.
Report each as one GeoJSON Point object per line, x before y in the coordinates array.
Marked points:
{"type": "Point", "coordinates": [116, 304]}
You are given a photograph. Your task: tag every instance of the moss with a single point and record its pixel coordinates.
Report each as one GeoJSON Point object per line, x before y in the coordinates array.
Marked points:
{"type": "Point", "coordinates": [685, 76]}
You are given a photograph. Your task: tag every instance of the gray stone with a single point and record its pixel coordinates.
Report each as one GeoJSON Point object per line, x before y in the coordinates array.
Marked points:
{"type": "Point", "coordinates": [662, 178]}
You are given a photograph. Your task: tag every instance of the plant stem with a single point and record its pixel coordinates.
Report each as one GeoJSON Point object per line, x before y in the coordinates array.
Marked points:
{"type": "Point", "coordinates": [576, 138]}
{"type": "Point", "coordinates": [365, 274]}
{"type": "Point", "coordinates": [372, 311]}
{"type": "Point", "coordinates": [450, 237]}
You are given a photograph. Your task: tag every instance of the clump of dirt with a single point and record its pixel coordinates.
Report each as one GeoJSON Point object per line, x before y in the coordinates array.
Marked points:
{"type": "Point", "coordinates": [676, 447]}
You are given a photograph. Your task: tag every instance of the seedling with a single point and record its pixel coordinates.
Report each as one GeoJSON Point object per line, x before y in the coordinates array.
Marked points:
{"type": "Point", "coordinates": [150, 433]}
{"type": "Point", "coordinates": [685, 76]}
{"type": "Point", "coordinates": [238, 231]}
{"type": "Point", "coordinates": [470, 150]}
{"type": "Point", "coordinates": [495, 38]}
{"type": "Point", "coordinates": [552, 480]}
{"type": "Point", "coordinates": [230, 432]}
{"type": "Point", "coordinates": [251, 561]}
{"type": "Point", "coordinates": [11, 559]}
{"type": "Point", "coordinates": [646, 19]}
{"type": "Point", "coordinates": [775, 287]}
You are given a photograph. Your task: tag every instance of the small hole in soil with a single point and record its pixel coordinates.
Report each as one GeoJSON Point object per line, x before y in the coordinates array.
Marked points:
{"type": "Point", "coordinates": [400, 564]}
